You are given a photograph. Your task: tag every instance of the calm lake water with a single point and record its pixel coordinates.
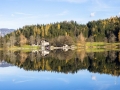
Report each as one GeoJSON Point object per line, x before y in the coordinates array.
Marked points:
{"type": "Point", "coordinates": [59, 70]}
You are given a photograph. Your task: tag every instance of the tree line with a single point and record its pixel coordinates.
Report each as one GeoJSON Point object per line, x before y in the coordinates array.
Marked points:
{"type": "Point", "coordinates": [69, 32]}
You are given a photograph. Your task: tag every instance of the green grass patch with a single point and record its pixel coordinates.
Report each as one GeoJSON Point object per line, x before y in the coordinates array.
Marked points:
{"type": "Point", "coordinates": [23, 48]}
{"type": "Point", "coordinates": [30, 47]}
{"type": "Point", "coordinates": [100, 43]}
{"type": "Point", "coordinates": [95, 43]}
{"type": "Point", "coordinates": [100, 50]}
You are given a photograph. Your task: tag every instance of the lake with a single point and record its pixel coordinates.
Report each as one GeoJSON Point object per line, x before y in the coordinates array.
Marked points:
{"type": "Point", "coordinates": [60, 70]}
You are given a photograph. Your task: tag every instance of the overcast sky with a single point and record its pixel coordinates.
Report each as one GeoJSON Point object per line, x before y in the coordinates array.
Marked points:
{"type": "Point", "coordinates": [17, 13]}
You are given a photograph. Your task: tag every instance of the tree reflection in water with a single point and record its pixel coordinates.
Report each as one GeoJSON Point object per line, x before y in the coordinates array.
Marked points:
{"type": "Point", "coordinates": [65, 62]}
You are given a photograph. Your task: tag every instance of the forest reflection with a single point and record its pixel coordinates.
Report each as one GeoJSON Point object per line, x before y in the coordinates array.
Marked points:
{"type": "Point", "coordinates": [107, 62]}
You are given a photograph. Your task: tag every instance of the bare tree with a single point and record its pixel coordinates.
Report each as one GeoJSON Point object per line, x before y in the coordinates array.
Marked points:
{"type": "Point", "coordinates": [61, 40]}
{"type": "Point", "coordinates": [111, 38]}
{"type": "Point", "coordinates": [12, 40]}
{"type": "Point", "coordinates": [32, 40]}
{"type": "Point", "coordinates": [38, 39]}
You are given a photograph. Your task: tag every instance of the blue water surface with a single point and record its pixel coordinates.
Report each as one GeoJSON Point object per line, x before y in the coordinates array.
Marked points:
{"type": "Point", "coordinates": [14, 78]}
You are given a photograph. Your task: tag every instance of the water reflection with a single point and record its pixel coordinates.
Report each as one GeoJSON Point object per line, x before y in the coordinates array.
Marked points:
{"type": "Point", "coordinates": [13, 78]}
{"type": "Point", "coordinates": [64, 61]}
{"type": "Point", "coordinates": [4, 64]}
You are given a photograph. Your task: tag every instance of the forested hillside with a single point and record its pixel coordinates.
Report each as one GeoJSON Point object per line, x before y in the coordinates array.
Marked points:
{"type": "Point", "coordinates": [69, 32]}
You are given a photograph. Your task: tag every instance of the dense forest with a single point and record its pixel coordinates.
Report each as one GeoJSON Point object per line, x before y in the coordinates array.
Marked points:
{"type": "Point", "coordinates": [69, 32]}
{"type": "Point", "coordinates": [65, 62]}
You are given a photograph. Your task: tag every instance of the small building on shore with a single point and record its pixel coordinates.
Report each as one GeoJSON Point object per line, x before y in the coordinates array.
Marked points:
{"type": "Point", "coordinates": [44, 44]}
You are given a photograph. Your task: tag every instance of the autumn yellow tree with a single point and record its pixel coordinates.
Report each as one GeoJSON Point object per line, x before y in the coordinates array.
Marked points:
{"type": "Point", "coordinates": [46, 29]}
{"type": "Point", "coordinates": [58, 26]}
{"type": "Point", "coordinates": [42, 29]}
{"type": "Point", "coordinates": [22, 39]}
{"type": "Point", "coordinates": [38, 31]}
{"type": "Point", "coordinates": [35, 30]}
{"type": "Point", "coordinates": [81, 38]}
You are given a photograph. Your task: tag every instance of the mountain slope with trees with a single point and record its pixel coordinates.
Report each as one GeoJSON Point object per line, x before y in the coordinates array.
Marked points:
{"type": "Point", "coordinates": [69, 32]}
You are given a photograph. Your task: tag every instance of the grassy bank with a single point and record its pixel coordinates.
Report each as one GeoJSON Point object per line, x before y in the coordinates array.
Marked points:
{"type": "Point", "coordinates": [100, 43]}
{"type": "Point", "coordinates": [98, 46]}
{"type": "Point", "coordinates": [23, 48]}
{"type": "Point", "coordinates": [88, 46]}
